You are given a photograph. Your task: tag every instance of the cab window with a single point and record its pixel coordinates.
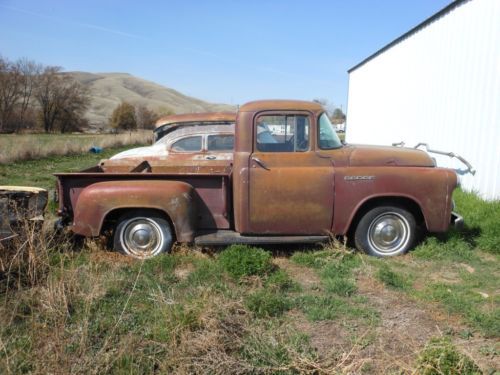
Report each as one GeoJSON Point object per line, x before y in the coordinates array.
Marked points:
{"type": "Point", "coordinates": [282, 133]}
{"type": "Point", "coordinates": [187, 144]}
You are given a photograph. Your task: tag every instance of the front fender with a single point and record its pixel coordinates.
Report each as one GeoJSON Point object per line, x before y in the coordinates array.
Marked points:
{"type": "Point", "coordinates": [174, 198]}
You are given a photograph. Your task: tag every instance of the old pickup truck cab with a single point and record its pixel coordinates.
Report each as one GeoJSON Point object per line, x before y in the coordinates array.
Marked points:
{"type": "Point", "coordinates": [290, 180]}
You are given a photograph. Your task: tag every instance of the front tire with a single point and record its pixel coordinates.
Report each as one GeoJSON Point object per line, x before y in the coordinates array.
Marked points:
{"type": "Point", "coordinates": [142, 234]}
{"type": "Point", "coordinates": [386, 231]}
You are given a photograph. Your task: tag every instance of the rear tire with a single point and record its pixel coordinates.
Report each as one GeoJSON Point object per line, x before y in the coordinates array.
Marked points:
{"type": "Point", "coordinates": [386, 231]}
{"type": "Point", "coordinates": [142, 234]}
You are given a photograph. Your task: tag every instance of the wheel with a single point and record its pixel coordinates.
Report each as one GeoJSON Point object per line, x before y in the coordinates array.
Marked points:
{"type": "Point", "coordinates": [386, 231]}
{"type": "Point", "coordinates": [142, 234]}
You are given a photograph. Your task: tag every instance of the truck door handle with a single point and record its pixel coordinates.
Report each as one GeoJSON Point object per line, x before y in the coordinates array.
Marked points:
{"type": "Point", "coordinates": [261, 163]}
{"type": "Point", "coordinates": [211, 157]}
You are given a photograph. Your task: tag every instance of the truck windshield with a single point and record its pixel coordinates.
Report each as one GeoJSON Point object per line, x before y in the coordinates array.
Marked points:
{"type": "Point", "coordinates": [327, 136]}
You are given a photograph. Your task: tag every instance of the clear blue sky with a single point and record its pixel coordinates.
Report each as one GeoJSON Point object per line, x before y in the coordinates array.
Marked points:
{"type": "Point", "coordinates": [221, 51]}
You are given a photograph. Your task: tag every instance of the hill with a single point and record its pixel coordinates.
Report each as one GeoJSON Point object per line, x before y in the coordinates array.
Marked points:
{"type": "Point", "coordinates": [107, 90]}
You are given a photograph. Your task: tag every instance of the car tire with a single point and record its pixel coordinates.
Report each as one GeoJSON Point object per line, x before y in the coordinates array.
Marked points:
{"type": "Point", "coordinates": [142, 234]}
{"type": "Point", "coordinates": [386, 231]}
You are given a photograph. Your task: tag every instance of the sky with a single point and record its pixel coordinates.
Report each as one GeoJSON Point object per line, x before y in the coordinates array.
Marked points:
{"type": "Point", "coordinates": [220, 51]}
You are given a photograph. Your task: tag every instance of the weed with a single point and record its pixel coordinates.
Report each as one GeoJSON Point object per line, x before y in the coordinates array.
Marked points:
{"type": "Point", "coordinates": [241, 260]}
{"type": "Point", "coordinates": [441, 357]}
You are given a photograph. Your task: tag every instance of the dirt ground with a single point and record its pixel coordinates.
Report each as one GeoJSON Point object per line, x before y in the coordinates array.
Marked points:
{"type": "Point", "coordinates": [393, 344]}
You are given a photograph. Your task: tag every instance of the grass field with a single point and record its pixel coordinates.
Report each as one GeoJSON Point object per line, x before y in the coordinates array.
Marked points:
{"type": "Point", "coordinates": [79, 308]}
{"type": "Point", "coordinates": [18, 147]}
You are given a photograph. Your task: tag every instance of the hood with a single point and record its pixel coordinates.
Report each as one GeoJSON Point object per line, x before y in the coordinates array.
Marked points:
{"type": "Point", "coordinates": [155, 150]}
{"type": "Point", "coordinates": [383, 156]}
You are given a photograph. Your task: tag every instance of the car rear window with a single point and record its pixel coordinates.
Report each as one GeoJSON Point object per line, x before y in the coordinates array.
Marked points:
{"type": "Point", "coordinates": [220, 142]}
{"type": "Point", "coordinates": [187, 144]}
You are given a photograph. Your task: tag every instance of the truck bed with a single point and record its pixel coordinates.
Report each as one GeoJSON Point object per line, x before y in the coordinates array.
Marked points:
{"type": "Point", "coordinates": [211, 184]}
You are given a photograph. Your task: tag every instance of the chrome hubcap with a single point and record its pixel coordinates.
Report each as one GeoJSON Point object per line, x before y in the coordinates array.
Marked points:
{"type": "Point", "coordinates": [389, 233]}
{"type": "Point", "coordinates": [142, 237]}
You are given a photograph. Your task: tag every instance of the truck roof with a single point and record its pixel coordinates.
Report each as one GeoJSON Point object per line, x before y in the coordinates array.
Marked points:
{"type": "Point", "coordinates": [196, 117]}
{"type": "Point", "coordinates": [281, 105]}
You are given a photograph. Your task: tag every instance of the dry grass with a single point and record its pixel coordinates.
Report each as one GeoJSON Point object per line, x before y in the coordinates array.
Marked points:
{"type": "Point", "coordinates": [35, 146]}
{"type": "Point", "coordinates": [75, 308]}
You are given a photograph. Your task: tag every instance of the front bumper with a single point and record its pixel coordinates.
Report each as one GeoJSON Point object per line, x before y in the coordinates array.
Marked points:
{"type": "Point", "coordinates": [457, 221]}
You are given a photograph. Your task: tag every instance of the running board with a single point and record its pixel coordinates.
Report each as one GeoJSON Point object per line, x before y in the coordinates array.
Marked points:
{"type": "Point", "coordinates": [227, 237]}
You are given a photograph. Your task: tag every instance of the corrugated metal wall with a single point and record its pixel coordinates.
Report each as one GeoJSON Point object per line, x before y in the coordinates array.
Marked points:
{"type": "Point", "coordinates": [441, 86]}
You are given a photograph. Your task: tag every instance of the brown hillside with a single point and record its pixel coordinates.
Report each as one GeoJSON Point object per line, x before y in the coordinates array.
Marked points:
{"type": "Point", "coordinates": [109, 89]}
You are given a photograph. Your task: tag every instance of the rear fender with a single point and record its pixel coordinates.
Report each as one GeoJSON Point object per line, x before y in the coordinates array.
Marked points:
{"type": "Point", "coordinates": [174, 198]}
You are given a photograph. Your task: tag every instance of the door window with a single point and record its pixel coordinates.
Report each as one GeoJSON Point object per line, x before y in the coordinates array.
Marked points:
{"type": "Point", "coordinates": [282, 133]}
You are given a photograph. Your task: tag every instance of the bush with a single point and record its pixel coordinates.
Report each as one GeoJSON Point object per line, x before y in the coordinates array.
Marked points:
{"type": "Point", "coordinates": [241, 260]}
{"type": "Point", "coordinates": [265, 303]}
{"type": "Point", "coordinates": [440, 357]}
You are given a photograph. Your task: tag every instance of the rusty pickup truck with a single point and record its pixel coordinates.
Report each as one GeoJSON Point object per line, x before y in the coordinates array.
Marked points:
{"type": "Point", "coordinates": [290, 180]}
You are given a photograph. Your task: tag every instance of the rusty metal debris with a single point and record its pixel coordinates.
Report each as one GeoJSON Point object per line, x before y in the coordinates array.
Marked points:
{"type": "Point", "coordinates": [18, 204]}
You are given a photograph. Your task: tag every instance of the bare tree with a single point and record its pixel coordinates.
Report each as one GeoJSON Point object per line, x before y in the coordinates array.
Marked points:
{"type": "Point", "coordinates": [75, 102]}
{"type": "Point", "coordinates": [9, 91]}
{"type": "Point", "coordinates": [61, 99]}
{"type": "Point", "coordinates": [29, 73]}
{"type": "Point", "coordinates": [325, 103]}
{"type": "Point", "coordinates": [145, 117]}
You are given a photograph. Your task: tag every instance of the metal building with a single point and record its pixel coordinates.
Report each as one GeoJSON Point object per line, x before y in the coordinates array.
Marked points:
{"type": "Point", "coordinates": [439, 84]}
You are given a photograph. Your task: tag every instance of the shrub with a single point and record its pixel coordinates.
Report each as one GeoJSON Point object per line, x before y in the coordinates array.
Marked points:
{"type": "Point", "coordinates": [441, 357]}
{"type": "Point", "coordinates": [241, 260]}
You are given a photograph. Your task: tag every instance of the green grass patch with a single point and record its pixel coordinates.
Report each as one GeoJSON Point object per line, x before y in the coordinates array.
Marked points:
{"type": "Point", "coordinates": [468, 303]}
{"type": "Point", "coordinates": [241, 260]}
{"type": "Point", "coordinates": [336, 275]}
{"type": "Point", "coordinates": [441, 357]}
{"type": "Point", "coordinates": [391, 278]}
{"type": "Point", "coordinates": [267, 303]}
{"type": "Point", "coordinates": [314, 259]}
{"type": "Point", "coordinates": [331, 307]}
{"type": "Point", "coordinates": [281, 282]}
{"type": "Point", "coordinates": [482, 220]}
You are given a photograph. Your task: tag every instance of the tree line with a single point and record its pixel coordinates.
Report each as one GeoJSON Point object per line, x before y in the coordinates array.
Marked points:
{"type": "Point", "coordinates": [129, 117]}
{"type": "Point", "coordinates": [36, 96]}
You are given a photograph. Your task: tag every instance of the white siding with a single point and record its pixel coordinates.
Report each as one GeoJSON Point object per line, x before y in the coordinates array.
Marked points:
{"type": "Point", "coordinates": [441, 86]}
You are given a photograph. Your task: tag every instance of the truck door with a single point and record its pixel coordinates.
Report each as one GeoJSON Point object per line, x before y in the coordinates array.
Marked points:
{"type": "Point", "coordinates": [291, 186]}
